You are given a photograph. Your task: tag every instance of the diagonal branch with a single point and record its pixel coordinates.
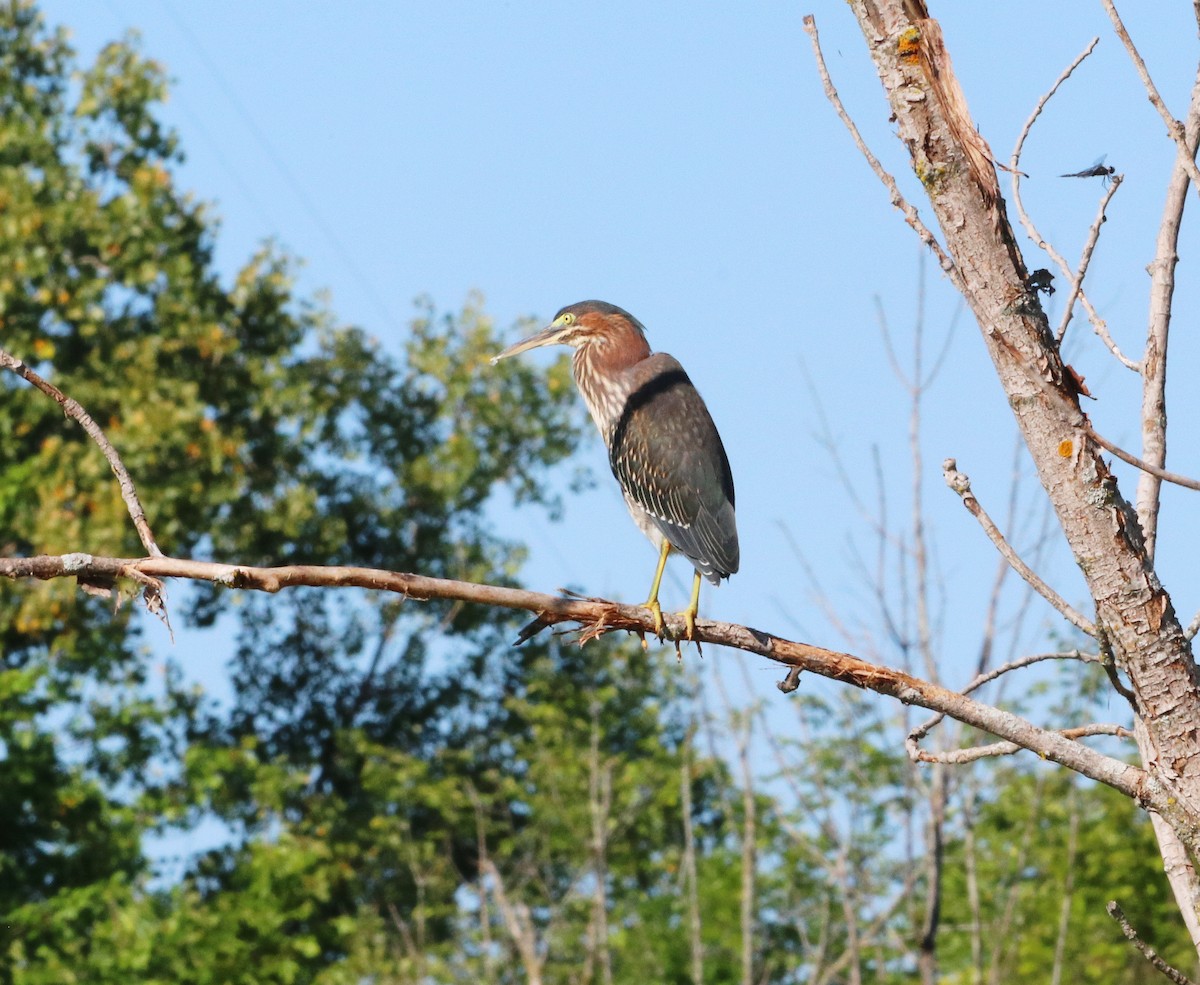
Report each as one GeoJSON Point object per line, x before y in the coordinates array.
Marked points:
{"type": "Point", "coordinates": [1177, 976]}
{"type": "Point", "coordinates": [600, 616]}
{"type": "Point", "coordinates": [1085, 260]}
{"type": "Point", "coordinates": [961, 484]}
{"type": "Point", "coordinates": [1137, 463]}
{"type": "Point", "coordinates": [911, 216]}
{"type": "Point", "coordinates": [72, 409]}
{"type": "Point", "coordinates": [922, 730]}
{"type": "Point", "coordinates": [957, 757]}
{"type": "Point", "coordinates": [1175, 129]}
{"type": "Point", "coordinates": [1076, 278]}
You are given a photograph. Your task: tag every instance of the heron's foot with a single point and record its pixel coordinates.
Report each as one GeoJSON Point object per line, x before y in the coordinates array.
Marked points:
{"type": "Point", "coordinates": [656, 611]}
{"type": "Point", "coordinates": [689, 617]}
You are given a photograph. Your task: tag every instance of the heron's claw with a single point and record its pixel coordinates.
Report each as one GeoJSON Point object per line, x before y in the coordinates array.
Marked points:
{"type": "Point", "coordinates": [656, 611]}
{"type": "Point", "coordinates": [689, 617]}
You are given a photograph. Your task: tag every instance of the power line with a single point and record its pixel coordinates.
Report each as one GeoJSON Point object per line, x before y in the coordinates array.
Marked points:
{"type": "Point", "coordinates": [280, 164]}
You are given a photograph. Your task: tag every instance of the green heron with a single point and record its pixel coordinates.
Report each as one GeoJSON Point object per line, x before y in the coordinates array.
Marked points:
{"type": "Point", "coordinates": [662, 444]}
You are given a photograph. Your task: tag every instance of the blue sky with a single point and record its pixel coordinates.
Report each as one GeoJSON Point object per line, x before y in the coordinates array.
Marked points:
{"type": "Point", "coordinates": [681, 161]}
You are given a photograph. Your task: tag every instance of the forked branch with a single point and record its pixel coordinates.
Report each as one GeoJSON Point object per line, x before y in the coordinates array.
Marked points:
{"type": "Point", "coordinates": [74, 411]}
{"type": "Point", "coordinates": [961, 484]}
{"type": "Point", "coordinates": [1175, 129]}
{"type": "Point", "coordinates": [1075, 277]}
{"type": "Point", "coordinates": [1177, 976]}
{"type": "Point", "coordinates": [911, 216]}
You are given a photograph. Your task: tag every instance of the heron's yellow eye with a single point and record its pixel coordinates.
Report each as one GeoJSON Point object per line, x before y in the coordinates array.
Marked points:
{"type": "Point", "coordinates": [567, 319]}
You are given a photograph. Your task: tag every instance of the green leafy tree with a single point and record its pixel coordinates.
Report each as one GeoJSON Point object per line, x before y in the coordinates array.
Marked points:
{"type": "Point", "coordinates": [257, 428]}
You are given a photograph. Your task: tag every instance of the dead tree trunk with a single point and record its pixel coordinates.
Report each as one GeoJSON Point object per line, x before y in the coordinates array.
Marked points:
{"type": "Point", "coordinates": [1135, 619]}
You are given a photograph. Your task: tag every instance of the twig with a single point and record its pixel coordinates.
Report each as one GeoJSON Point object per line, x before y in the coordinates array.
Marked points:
{"type": "Point", "coordinates": [1177, 976]}
{"type": "Point", "coordinates": [1137, 463]}
{"type": "Point", "coordinates": [844, 667]}
{"type": "Point", "coordinates": [1193, 627]}
{"type": "Point", "coordinates": [1015, 160]}
{"type": "Point", "coordinates": [911, 216]}
{"type": "Point", "coordinates": [85, 421]}
{"type": "Point", "coordinates": [1098, 323]}
{"type": "Point", "coordinates": [957, 757]}
{"type": "Point", "coordinates": [961, 484]}
{"type": "Point", "coordinates": [1085, 260]}
{"type": "Point", "coordinates": [922, 730]}
{"type": "Point", "coordinates": [1175, 129]}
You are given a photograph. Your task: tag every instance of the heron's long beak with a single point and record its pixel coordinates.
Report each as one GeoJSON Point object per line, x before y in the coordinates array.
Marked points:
{"type": "Point", "coordinates": [551, 335]}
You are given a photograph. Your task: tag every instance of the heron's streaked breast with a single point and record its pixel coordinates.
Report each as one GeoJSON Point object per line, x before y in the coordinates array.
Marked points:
{"type": "Point", "coordinates": [604, 391]}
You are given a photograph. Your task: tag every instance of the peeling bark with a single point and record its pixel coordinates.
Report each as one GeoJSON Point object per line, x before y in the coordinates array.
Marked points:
{"type": "Point", "coordinates": [1133, 611]}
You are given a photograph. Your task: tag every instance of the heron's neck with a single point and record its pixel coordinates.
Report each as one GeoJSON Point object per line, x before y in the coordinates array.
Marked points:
{"type": "Point", "coordinates": [602, 374]}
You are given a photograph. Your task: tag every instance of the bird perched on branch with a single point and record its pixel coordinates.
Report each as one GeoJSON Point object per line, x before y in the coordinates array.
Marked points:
{"type": "Point", "coordinates": [662, 444]}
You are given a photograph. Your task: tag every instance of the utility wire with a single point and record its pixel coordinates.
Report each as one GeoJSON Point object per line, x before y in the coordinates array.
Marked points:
{"type": "Point", "coordinates": [279, 162]}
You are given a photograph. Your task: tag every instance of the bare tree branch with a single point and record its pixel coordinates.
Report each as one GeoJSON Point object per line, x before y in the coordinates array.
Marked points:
{"type": "Point", "coordinates": [72, 409]}
{"type": "Point", "coordinates": [1175, 129]}
{"type": "Point", "coordinates": [1015, 161]}
{"type": "Point", "coordinates": [1085, 260]}
{"type": "Point", "coordinates": [922, 730]}
{"type": "Point", "coordinates": [1177, 976]}
{"type": "Point", "coordinates": [1137, 463]}
{"type": "Point", "coordinates": [961, 484]}
{"type": "Point", "coordinates": [957, 757]}
{"type": "Point", "coordinates": [519, 922]}
{"type": "Point", "coordinates": [1075, 279]}
{"type": "Point", "coordinates": [599, 616]}
{"type": "Point", "coordinates": [911, 216]}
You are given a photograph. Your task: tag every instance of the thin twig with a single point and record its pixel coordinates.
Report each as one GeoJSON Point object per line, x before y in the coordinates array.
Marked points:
{"type": "Point", "coordinates": [1015, 160]}
{"type": "Point", "coordinates": [911, 216]}
{"type": "Point", "coordinates": [1077, 292]}
{"type": "Point", "coordinates": [1100, 327]}
{"type": "Point", "coordinates": [1137, 463]}
{"type": "Point", "coordinates": [957, 757]}
{"type": "Point", "coordinates": [1177, 976]}
{"type": "Point", "coordinates": [961, 484]}
{"type": "Point", "coordinates": [922, 730]}
{"type": "Point", "coordinates": [1085, 260]}
{"type": "Point", "coordinates": [1175, 129]}
{"type": "Point", "coordinates": [1193, 627]}
{"type": "Point", "coordinates": [72, 409]}
{"type": "Point", "coordinates": [606, 616]}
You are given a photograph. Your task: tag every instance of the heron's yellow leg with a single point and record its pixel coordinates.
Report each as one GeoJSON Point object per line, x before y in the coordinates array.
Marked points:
{"type": "Point", "coordinates": [690, 613]}
{"type": "Point", "coordinates": [652, 602]}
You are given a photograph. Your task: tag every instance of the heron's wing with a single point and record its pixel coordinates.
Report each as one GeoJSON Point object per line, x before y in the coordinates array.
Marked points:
{"type": "Point", "coordinates": [669, 459]}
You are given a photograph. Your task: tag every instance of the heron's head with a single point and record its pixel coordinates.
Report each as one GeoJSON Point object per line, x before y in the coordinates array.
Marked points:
{"type": "Point", "coordinates": [584, 324]}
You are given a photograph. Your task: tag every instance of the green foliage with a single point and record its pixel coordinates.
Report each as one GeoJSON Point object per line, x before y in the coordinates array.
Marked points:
{"type": "Point", "coordinates": [1026, 865]}
{"type": "Point", "coordinates": [257, 429]}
